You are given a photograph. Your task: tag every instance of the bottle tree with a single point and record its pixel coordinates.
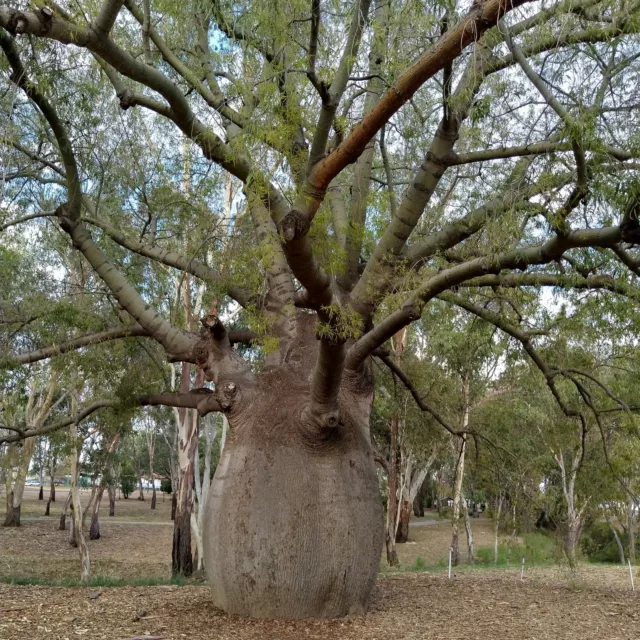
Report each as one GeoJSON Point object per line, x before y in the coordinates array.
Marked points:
{"type": "Point", "coordinates": [388, 154]}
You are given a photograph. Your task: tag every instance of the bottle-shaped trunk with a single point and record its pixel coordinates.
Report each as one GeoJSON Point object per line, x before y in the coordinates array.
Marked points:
{"type": "Point", "coordinates": [294, 521]}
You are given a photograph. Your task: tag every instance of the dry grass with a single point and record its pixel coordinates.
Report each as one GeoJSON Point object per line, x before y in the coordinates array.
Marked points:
{"type": "Point", "coordinates": [131, 509]}
{"type": "Point", "coordinates": [134, 544]}
{"type": "Point", "coordinates": [431, 543]}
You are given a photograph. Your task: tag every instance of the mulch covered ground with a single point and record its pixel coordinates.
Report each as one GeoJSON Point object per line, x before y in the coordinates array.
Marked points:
{"type": "Point", "coordinates": [487, 605]}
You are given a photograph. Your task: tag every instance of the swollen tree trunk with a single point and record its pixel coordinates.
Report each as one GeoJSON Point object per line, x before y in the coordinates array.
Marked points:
{"type": "Point", "coordinates": [294, 522]}
{"type": "Point", "coordinates": [392, 499]}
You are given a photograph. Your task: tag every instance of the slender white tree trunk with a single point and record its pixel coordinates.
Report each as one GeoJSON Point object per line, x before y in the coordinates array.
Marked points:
{"type": "Point", "coordinates": [471, 554]}
{"type": "Point", "coordinates": [83, 549]}
{"type": "Point", "coordinates": [631, 529]}
{"type": "Point", "coordinates": [496, 527]}
{"type": "Point", "coordinates": [459, 477]}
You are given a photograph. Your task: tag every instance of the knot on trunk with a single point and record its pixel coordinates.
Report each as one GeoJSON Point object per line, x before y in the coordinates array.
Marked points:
{"type": "Point", "coordinates": [321, 429]}
{"type": "Point", "coordinates": [126, 99]}
{"type": "Point", "coordinates": [67, 224]}
{"type": "Point", "coordinates": [294, 225]}
{"type": "Point", "coordinates": [227, 395]}
{"type": "Point", "coordinates": [17, 23]}
{"type": "Point", "coordinates": [213, 326]}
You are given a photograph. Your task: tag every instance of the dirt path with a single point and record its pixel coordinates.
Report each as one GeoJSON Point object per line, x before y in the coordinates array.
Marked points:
{"type": "Point", "coordinates": [491, 605]}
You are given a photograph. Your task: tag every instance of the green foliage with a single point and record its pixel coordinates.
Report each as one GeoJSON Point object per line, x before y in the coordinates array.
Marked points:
{"type": "Point", "coordinates": [127, 482]}
{"type": "Point", "coordinates": [165, 486]}
{"type": "Point", "coordinates": [598, 543]}
{"type": "Point", "coordinates": [537, 549]}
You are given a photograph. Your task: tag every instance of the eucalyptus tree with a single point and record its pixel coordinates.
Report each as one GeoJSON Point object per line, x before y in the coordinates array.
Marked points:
{"type": "Point", "coordinates": [389, 154]}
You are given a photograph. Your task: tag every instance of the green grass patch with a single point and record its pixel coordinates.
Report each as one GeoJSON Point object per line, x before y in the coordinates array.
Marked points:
{"type": "Point", "coordinates": [97, 581]}
{"type": "Point", "coordinates": [537, 549]}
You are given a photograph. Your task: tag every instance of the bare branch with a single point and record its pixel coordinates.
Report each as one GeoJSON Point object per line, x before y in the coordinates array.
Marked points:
{"type": "Point", "coordinates": [77, 343]}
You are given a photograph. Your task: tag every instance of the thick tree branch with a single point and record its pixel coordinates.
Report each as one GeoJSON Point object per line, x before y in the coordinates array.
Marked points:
{"type": "Point", "coordinates": [191, 400]}
{"type": "Point", "coordinates": [170, 258]}
{"type": "Point", "coordinates": [77, 343]}
{"type": "Point", "coordinates": [481, 17]}
{"type": "Point", "coordinates": [517, 259]}
{"type": "Point", "coordinates": [537, 148]}
{"type": "Point", "coordinates": [106, 18]}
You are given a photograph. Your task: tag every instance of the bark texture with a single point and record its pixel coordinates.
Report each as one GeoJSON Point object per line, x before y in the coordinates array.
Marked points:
{"type": "Point", "coordinates": [294, 517]}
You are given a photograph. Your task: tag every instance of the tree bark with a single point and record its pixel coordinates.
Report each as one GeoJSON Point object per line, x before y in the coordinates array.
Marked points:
{"type": "Point", "coordinates": [112, 500]}
{"type": "Point", "coordinates": [402, 534]}
{"type": "Point", "coordinates": [392, 499]}
{"type": "Point", "coordinates": [574, 526]}
{"type": "Point", "coordinates": [496, 527]}
{"type": "Point", "coordinates": [94, 489]}
{"type": "Point", "coordinates": [140, 487]}
{"type": "Point", "coordinates": [181, 555]}
{"type": "Point", "coordinates": [631, 532]}
{"type": "Point", "coordinates": [52, 488]}
{"type": "Point", "coordinates": [317, 552]}
{"type": "Point", "coordinates": [63, 515]}
{"type": "Point", "coordinates": [471, 553]}
{"type": "Point", "coordinates": [41, 493]}
{"type": "Point", "coordinates": [94, 528]}
{"type": "Point", "coordinates": [457, 504]}
{"type": "Point", "coordinates": [77, 532]}
{"type": "Point", "coordinates": [457, 487]}
{"type": "Point", "coordinates": [15, 494]}
{"type": "Point", "coordinates": [151, 446]}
